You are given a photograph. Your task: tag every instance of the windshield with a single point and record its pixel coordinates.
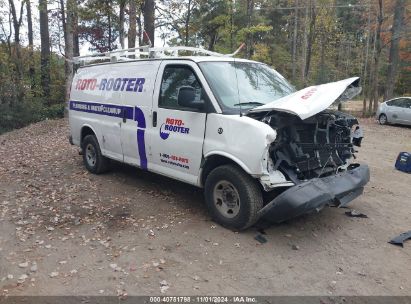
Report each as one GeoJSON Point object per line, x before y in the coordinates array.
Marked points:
{"type": "Point", "coordinates": [244, 84]}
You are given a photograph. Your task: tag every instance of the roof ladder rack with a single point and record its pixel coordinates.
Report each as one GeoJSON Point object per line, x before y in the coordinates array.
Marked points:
{"type": "Point", "coordinates": [146, 52]}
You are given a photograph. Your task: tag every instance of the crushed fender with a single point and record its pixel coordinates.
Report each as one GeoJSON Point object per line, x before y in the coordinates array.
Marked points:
{"type": "Point", "coordinates": [399, 240]}
{"type": "Point", "coordinates": [355, 213]}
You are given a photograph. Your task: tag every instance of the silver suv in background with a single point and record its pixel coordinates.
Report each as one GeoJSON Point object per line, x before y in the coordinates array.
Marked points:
{"type": "Point", "coordinates": [395, 111]}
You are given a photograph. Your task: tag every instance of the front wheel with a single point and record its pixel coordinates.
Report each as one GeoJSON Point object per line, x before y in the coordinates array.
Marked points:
{"type": "Point", "coordinates": [382, 119]}
{"type": "Point", "coordinates": [233, 198]}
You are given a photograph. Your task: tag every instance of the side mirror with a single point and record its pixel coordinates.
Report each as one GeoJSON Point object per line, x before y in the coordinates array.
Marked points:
{"type": "Point", "coordinates": [186, 98]}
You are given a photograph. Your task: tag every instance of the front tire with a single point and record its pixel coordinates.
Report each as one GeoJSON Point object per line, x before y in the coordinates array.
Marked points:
{"type": "Point", "coordinates": [233, 198]}
{"type": "Point", "coordinates": [383, 119]}
{"type": "Point", "coordinates": [93, 160]}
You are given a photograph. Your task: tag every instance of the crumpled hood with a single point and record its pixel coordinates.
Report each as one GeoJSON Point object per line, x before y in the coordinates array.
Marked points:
{"type": "Point", "coordinates": [312, 100]}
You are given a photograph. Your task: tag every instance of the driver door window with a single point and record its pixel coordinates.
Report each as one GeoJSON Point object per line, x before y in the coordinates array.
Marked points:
{"type": "Point", "coordinates": [174, 78]}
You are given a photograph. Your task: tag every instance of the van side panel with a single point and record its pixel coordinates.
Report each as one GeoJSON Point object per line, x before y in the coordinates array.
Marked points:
{"type": "Point", "coordinates": [102, 97]}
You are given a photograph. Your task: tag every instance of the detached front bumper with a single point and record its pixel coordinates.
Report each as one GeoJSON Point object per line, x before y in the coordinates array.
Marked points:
{"type": "Point", "coordinates": [316, 193]}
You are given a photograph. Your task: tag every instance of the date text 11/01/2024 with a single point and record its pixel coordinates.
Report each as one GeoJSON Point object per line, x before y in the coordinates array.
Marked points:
{"type": "Point", "coordinates": [203, 299]}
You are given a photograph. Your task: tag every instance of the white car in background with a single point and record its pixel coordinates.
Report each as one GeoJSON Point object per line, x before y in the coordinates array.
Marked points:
{"type": "Point", "coordinates": [395, 111]}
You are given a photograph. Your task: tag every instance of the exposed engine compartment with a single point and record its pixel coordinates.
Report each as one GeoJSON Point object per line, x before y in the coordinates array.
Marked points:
{"type": "Point", "coordinates": [315, 147]}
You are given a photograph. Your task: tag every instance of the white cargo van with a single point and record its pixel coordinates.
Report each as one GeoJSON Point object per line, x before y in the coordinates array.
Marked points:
{"type": "Point", "coordinates": [235, 127]}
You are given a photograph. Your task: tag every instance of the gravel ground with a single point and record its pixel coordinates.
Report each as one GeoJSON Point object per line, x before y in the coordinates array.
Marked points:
{"type": "Point", "coordinates": [128, 232]}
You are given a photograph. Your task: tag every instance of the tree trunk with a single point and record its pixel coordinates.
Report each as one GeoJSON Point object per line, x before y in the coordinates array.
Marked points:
{"type": "Point", "coordinates": [32, 71]}
{"type": "Point", "coordinates": [375, 87]}
{"type": "Point", "coordinates": [213, 38]}
{"type": "Point", "coordinates": [187, 23]}
{"type": "Point", "coordinates": [249, 38]}
{"type": "Point", "coordinates": [63, 19]}
{"type": "Point", "coordinates": [45, 49]}
{"type": "Point", "coordinates": [372, 72]}
{"type": "Point", "coordinates": [8, 39]}
{"type": "Point", "coordinates": [321, 76]}
{"type": "Point", "coordinates": [69, 47]}
{"type": "Point", "coordinates": [76, 42]}
{"type": "Point", "coordinates": [231, 25]}
{"type": "Point", "coordinates": [121, 31]}
{"type": "Point", "coordinates": [132, 32]}
{"type": "Point", "coordinates": [305, 43]}
{"type": "Point", "coordinates": [108, 4]}
{"type": "Point", "coordinates": [310, 41]}
{"type": "Point", "coordinates": [294, 51]}
{"type": "Point", "coordinates": [139, 29]}
{"type": "Point", "coordinates": [148, 14]}
{"type": "Point", "coordinates": [364, 78]}
{"type": "Point", "coordinates": [16, 26]}
{"type": "Point", "coordinates": [394, 49]}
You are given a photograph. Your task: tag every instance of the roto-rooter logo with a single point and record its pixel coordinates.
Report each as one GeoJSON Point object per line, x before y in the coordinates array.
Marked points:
{"type": "Point", "coordinates": [309, 93]}
{"type": "Point", "coordinates": [173, 126]}
{"type": "Point", "coordinates": [111, 84]}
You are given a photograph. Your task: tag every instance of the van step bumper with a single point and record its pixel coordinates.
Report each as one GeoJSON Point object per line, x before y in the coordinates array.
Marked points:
{"type": "Point", "coordinates": [313, 195]}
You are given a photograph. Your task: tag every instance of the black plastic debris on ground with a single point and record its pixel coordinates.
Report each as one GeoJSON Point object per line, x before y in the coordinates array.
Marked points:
{"type": "Point", "coordinates": [261, 231]}
{"type": "Point", "coordinates": [260, 238]}
{"type": "Point", "coordinates": [262, 225]}
{"type": "Point", "coordinates": [399, 240]}
{"type": "Point", "coordinates": [354, 213]}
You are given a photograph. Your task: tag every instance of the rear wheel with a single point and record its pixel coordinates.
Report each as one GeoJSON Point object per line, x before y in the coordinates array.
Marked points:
{"type": "Point", "coordinates": [93, 160]}
{"type": "Point", "coordinates": [233, 197]}
{"type": "Point", "coordinates": [383, 119]}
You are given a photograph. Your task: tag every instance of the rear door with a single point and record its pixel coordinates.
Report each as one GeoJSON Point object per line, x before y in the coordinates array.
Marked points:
{"type": "Point", "coordinates": [96, 103]}
{"type": "Point", "coordinates": [177, 132]}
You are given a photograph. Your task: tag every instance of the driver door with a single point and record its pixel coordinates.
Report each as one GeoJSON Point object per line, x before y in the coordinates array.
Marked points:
{"type": "Point", "coordinates": [177, 132]}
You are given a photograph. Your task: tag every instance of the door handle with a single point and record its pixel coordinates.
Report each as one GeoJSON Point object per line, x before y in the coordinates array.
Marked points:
{"type": "Point", "coordinates": [154, 119]}
{"type": "Point", "coordinates": [124, 115]}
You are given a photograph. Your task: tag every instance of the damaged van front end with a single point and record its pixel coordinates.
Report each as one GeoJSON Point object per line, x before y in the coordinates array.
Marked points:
{"type": "Point", "coordinates": [312, 195]}
{"type": "Point", "coordinates": [313, 149]}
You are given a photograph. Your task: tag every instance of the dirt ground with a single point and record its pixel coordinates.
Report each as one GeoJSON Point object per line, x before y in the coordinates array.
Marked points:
{"type": "Point", "coordinates": [64, 231]}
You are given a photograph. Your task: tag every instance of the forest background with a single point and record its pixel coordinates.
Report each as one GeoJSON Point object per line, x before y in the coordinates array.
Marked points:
{"type": "Point", "coordinates": [308, 41]}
